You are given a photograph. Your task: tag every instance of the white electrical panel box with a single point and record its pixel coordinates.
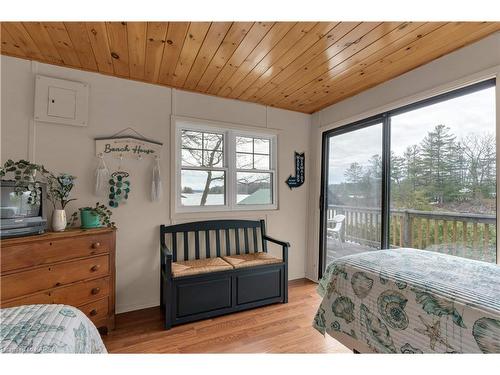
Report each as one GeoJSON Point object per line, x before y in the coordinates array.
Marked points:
{"type": "Point", "coordinates": [61, 101]}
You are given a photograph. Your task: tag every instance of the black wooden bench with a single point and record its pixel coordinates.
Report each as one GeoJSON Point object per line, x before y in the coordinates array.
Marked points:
{"type": "Point", "coordinates": [227, 270]}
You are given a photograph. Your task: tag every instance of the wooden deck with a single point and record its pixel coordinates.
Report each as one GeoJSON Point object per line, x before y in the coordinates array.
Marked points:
{"type": "Point", "coordinates": [281, 328]}
{"type": "Point", "coordinates": [334, 250]}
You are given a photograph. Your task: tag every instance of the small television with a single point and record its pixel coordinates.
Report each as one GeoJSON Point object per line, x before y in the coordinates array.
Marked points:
{"type": "Point", "coordinates": [18, 216]}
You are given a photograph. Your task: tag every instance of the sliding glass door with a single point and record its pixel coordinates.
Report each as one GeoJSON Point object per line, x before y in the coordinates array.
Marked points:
{"type": "Point", "coordinates": [421, 176]}
{"type": "Point", "coordinates": [353, 190]}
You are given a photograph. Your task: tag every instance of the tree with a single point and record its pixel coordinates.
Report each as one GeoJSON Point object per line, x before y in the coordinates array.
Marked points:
{"type": "Point", "coordinates": [436, 149]}
{"type": "Point", "coordinates": [480, 158]}
{"type": "Point", "coordinates": [375, 167]}
{"type": "Point", "coordinates": [412, 164]}
{"type": "Point", "coordinates": [439, 170]}
{"type": "Point", "coordinates": [250, 183]}
{"type": "Point", "coordinates": [354, 174]}
{"type": "Point", "coordinates": [397, 168]}
{"type": "Point", "coordinates": [203, 150]}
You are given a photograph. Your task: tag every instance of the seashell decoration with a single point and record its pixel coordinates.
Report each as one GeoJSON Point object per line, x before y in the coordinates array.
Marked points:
{"type": "Point", "coordinates": [339, 269]}
{"type": "Point", "coordinates": [391, 306]}
{"type": "Point", "coordinates": [343, 308]}
{"type": "Point", "coordinates": [486, 332]}
{"type": "Point", "coordinates": [335, 326]}
{"type": "Point", "coordinates": [331, 286]}
{"type": "Point", "coordinates": [401, 284]}
{"type": "Point", "coordinates": [376, 328]}
{"type": "Point", "coordinates": [433, 305]}
{"type": "Point", "coordinates": [361, 284]}
{"type": "Point", "coordinates": [319, 320]}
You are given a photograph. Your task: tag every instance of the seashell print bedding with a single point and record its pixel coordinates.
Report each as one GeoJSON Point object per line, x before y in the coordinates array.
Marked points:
{"type": "Point", "coordinates": [412, 301]}
{"type": "Point", "coordinates": [48, 329]}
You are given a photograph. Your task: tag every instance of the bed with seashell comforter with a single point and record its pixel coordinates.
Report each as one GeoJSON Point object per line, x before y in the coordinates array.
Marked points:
{"type": "Point", "coordinates": [48, 329]}
{"type": "Point", "coordinates": [411, 301]}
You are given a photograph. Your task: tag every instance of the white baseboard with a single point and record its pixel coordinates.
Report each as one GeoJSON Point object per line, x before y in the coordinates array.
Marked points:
{"type": "Point", "coordinates": [127, 308]}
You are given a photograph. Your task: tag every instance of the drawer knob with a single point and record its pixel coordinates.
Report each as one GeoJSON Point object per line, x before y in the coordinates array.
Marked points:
{"type": "Point", "coordinates": [93, 312]}
{"type": "Point", "coordinates": [96, 245]}
{"type": "Point", "coordinates": [94, 268]}
{"type": "Point", "coordinates": [95, 290]}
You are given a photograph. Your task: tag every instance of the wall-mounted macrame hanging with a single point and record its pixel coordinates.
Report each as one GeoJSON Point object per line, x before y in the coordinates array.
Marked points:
{"type": "Point", "coordinates": [101, 176]}
{"type": "Point", "coordinates": [156, 184]}
{"type": "Point", "coordinates": [125, 146]}
{"type": "Point", "coordinates": [119, 188]}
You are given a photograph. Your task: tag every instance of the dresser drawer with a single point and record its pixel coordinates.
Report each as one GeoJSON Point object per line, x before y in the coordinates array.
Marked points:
{"type": "Point", "coordinates": [74, 295]}
{"type": "Point", "coordinates": [96, 311]}
{"type": "Point", "coordinates": [34, 299]}
{"type": "Point", "coordinates": [29, 254]}
{"type": "Point", "coordinates": [47, 277]}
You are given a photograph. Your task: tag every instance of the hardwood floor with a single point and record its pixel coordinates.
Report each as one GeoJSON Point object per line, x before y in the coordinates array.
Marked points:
{"type": "Point", "coordinates": [281, 328]}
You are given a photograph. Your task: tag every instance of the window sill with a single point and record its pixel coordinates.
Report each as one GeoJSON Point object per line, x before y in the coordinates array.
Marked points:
{"type": "Point", "coordinates": [221, 213]}
{"type": "Point", "coordinates": [208, 210]}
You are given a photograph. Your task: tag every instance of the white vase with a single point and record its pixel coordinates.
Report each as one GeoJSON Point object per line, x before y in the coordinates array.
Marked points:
{"type": "Point", "coordinates": [58, 220]}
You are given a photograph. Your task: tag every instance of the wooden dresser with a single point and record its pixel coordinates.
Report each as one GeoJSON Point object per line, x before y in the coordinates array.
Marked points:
{"type": "Point", "coordinates": [75, 267]}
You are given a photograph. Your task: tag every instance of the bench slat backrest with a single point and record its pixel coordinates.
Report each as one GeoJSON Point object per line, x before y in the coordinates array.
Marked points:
{"type": "Point", "coordinates": [232, 229]}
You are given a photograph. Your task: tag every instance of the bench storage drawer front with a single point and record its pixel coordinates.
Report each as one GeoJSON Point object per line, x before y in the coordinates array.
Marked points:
{"type": "Point", "coordinates": [203, 295]}
{"type": "Point", "coordinates": [258, 285]}
{"type": "Point", "coordinates": [55, 275]}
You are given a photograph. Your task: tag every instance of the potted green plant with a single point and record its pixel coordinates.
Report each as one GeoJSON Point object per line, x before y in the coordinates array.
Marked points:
{"type": "Point", "coordinates": [58, 191]}
{"type": "Point", "coordinates": [93, 217]}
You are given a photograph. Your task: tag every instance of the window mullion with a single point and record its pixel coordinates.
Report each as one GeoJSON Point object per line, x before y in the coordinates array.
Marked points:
{"type": "Point", "coordinates": [386, 182]}
{"type": "Point", "coordinates": [194, 168]}
{"type": "Point", "coordinates": [255, 170]}
{"type": "Point", "coordinates": [202, 149]}
{"type": "Point", "coordinates": [231, 164]}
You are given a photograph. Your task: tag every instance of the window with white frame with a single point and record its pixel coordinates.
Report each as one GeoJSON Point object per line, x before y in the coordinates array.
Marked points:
{"type": "Point", "coordinates": [254, 178]}
{"type": "Point", "coordinates": [222, 168]}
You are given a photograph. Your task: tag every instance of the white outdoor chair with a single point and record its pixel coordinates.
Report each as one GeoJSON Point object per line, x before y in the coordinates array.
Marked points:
{"type": "Point", "coordinates": [334, 233]}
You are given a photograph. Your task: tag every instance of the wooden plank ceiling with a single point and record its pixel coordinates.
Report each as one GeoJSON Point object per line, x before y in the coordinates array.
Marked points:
{"type": "Point", "coordinates": [301, 66]}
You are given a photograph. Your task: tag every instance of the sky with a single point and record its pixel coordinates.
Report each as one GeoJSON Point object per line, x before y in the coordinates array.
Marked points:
{"type": "Point", "coordinates": [472, 113]}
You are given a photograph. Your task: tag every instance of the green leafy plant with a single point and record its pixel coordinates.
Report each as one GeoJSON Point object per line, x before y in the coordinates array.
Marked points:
{"type": "Point", "coordinates": [59, 188]}
{"type": "Point", "coordinates": [24, 176]}
{"type": "Point", "coordinates": [100, 210]}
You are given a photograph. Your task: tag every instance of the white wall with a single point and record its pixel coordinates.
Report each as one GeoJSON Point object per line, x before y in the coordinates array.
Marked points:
{"type": "Point", "coordinates": [470, 64]}
{"type": "Point", "coordinates": [115, 104]}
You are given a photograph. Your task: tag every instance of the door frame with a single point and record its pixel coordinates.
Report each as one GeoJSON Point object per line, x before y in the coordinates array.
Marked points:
{"type": "Point", "coordinates": [325, 151]}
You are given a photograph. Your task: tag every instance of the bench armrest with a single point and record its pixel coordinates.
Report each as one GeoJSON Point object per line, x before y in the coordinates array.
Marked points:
{"type": "Point", "coordinates": [285, 246]}
{"type": "Point", "coordinates": [278, 242]}
{"type": "Point", "coordinates": [165, 260]}
{"type": "Point", "coordinates": [165, 251]}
